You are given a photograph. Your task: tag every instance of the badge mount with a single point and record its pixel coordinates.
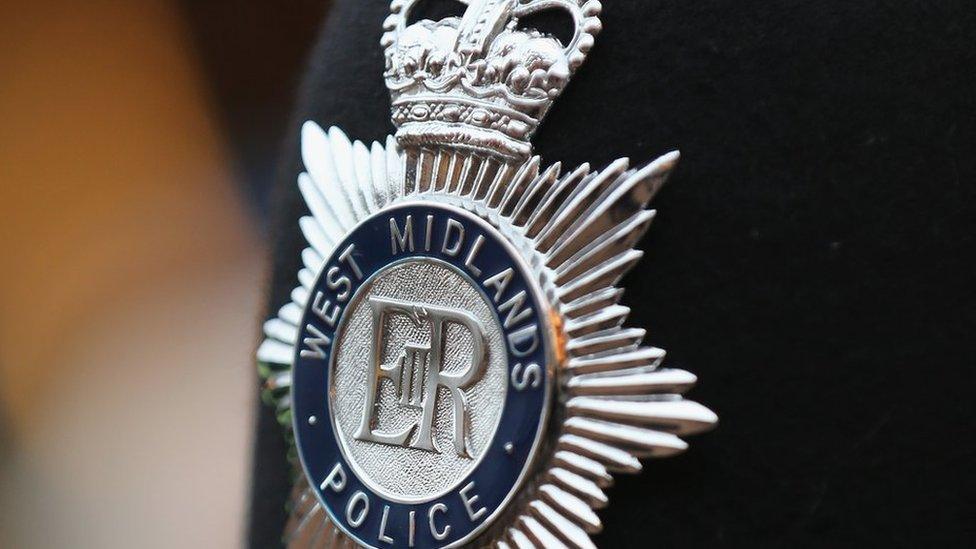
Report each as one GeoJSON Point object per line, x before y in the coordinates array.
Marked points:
{"type": "Point", "coordinates": [454, 365]}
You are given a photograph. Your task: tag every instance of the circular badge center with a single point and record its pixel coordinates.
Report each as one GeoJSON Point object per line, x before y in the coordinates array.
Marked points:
{"type": "Point", "coordinates": [422, 377]}
{"type": "Point", "coordinates": [419, 378]}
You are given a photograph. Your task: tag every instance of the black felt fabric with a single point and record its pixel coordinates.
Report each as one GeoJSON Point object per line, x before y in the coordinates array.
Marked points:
{"type": "Point", "coordinates": [811, 260]}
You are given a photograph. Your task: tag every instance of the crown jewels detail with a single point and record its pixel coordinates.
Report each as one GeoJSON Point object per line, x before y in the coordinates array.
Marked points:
{"type": "Point", "coordinates": [479, 81]}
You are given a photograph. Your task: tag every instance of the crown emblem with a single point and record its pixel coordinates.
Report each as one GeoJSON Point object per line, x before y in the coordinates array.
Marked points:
{"type": "Point", "coordinates": [480, 82]}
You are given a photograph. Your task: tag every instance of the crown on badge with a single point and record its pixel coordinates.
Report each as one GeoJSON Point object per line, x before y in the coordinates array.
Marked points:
{"type": "Point", "coordinates": [480, 82]}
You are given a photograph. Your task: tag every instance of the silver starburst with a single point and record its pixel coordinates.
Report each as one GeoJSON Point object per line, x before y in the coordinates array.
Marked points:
{"type": "Point", "coordinates": [576, 229]}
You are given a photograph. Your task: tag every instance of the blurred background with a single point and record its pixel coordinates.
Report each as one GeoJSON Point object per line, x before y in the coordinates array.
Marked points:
{"type": "Point", "coordinates": [137, 144]}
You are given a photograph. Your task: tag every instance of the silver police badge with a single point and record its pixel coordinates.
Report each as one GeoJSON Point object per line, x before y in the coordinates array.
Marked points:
{"type": "Point", "coordinates": [453, 365]}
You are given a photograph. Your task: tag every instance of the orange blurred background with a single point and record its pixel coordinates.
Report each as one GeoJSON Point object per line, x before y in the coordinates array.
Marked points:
{"type": "Point", "coordinates": [133, 264]}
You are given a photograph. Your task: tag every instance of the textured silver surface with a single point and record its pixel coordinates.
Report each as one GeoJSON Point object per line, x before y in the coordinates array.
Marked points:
{"type": "Point", "coordinates": [404, 473]}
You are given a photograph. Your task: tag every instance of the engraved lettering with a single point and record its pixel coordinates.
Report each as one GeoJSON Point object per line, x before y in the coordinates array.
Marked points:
{"type": "Point", "coordinates": [469, 501]}
{"type": "Point", "coordinates": [335, 480]}
{"type": "Point", "coordinates": [472, 254]}
{"type": "Point", "coordinates": [324, 309]}
{"type": "Point", "coordinates": [401, 239]}
{"type": "Point", "coordinates": [529, 376]}
{"type": "Point", "coordinates": [383, 537]}
{"type": "Point", "coordinates": [316, 343]}
{"type": "Point", "coordinates": [411, 531]}
{"type": "Point", "coordinates": [438, 535]}
{"type": "Point", "coordinates": [515, 312]}
{"type": "Point", "coordinates": [347, 257]}
{"type": "Point", "coordinates": [430, 229]}
{"type": "Point", "coordinates": [334, 281]}
{"type": "Point", "coordinates": [455, 226]}
{"type": "Point", "coordinates": [500, 282]}
{"type": "Point", "coordinates": [357, 520]}
{"type": "Point", "coordinates": [524, 341]}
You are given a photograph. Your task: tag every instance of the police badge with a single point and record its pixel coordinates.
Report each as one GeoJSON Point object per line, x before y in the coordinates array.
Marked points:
{"type": "Point", "coordinates": [453, 365]}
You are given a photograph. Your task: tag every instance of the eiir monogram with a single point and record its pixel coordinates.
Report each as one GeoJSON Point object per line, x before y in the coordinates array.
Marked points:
{"type": "Point", "coordinates": [417, 372]}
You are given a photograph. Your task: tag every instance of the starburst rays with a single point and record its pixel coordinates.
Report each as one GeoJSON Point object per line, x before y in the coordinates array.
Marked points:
{"type": "Point", "coordinates": [578, 230]}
